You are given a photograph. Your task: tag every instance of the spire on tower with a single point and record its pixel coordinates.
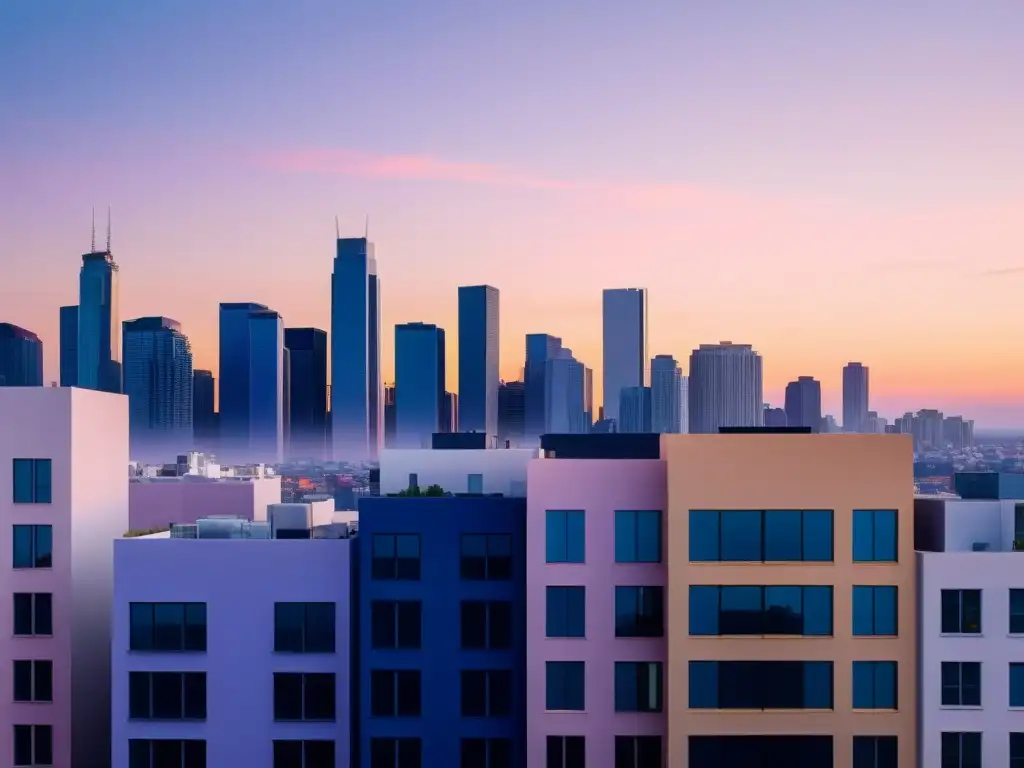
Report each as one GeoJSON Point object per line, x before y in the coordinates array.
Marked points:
{"type": "Point", "coordinates": [108, 229]}
{"type": "Point", "coordinates": [337, 229]}
{"type": "Point", "coordinates": [366, 231]}
{"type": "Point", "coordinates": [92, 244]}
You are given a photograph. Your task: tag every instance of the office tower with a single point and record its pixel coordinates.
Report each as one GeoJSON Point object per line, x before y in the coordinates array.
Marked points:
{"type": "Point", "coordinates": [69, 346]}
{"type": "Point", "coordinates": [511, 413]}
{"type": "Point", "coordinates": [21, 357]}
{"type": "Point", "coordinates": [99, 321]}
{"type": "Point", "coordinates": [268, 383]}
{"type": "Point", "coordinates": [233, 421]}
{"type": "Point", "coordinates": [307, 397]}
{"type": "Point", "coordinates": [478, 359]}
{"type": "Point", "coordinates": [635, 410]}
{"type": "Point", "coordinates": [158, 383]}
{"type": "Point", "coordinates": [624, 317]}
{"type": "Point", "coordinates": [684, 404]}
{"type": "Point", "coordinates": [540, 347]}
{"type": "Point", "coordinates": [855, 397]}
{"type": "Point", "coordinates": [419, 383]}
{"type": "Point", "coordinates": [355, 352]}
{"type": "Point", "coordinates": [564, 394]}
{"type": "Point", "coordinates": [803, 403]}
{"type": "Point", "coordinates": [588, 396]}
{"type": "Point", "coordinates": [450, 413]}
{"type": "Point", "coordinates": [666, 390]}
{"type": "Point", "coordinates": [389, 416]}
{"type": "Point", "coordinates": [775, 417]}
{"type": "Point", "coordinates": [724, 387]}
{"type": "Point", "coordinates": [204, 416]}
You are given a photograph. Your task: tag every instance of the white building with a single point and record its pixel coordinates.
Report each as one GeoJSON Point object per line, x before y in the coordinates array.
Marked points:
{"type": "Point", "coordinates": [491, 470]}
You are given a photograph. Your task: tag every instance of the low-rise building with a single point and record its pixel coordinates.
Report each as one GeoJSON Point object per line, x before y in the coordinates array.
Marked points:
{"type": "Point", "coordinates": [158, 502]}
{"type": "Point", "coordinates": [489, 471]}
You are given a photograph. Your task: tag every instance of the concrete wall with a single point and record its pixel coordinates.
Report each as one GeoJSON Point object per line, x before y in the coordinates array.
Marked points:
{"type": "Point", "coordinates": [503, 469]}
{"type": "Point", "coordinates": [159, 502]}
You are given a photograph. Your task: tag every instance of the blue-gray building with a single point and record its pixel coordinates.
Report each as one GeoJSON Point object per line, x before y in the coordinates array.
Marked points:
{"type": "Point", "coordinates": [540, 347]}
{"type": "Point", "coordinates": [355, 352]}
{"type": "Point", "coordinates": [307, 392]}
{"type": "Point", "coordinates": [268, 385]}
{"type": "Point", "coordinates": [158, 383]}
{"type": "Point", "coordinates": [419, 383]}
{"type": "Point", "coordinates": [21, 357]}
{"type": "Point", "coordinates": [69, 346]}
{"type": "Point", "coordinates": [624, 344]}
{"type": "Point", "coordinates": [99, 323]}
{"type": "Point", "coordinates": [565, 398]}
{"type": "Point", "coordinates": [204, 414]}
{"type": "Point", "coordinates": [478, 359]}
{"type": "Point", "coordinates": [635, 410]}
{"type": "Point", "coordinates": [234, 376]}
{"type": "Point", "coordinates": [666, 395]}
{"type": "Point", "coordinates": [803, 403]}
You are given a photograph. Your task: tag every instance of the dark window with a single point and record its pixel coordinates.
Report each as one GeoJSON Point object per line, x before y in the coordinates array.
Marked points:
{"type": "Point", "coordinates": [874, 685]}
{"type": "Point", "coordinates": [567, 752]}
{"type": "Point", "coordinates": [1016, 684]}
{"type": "Point", "coordinates": [395, 693]}
{"type": "Point", "coordinates": [961, 684]}
{"type": "Point", "coordinates": [760, 751]}
{"type": "Point", "coordinates": [961, 611]}
{"type": "Point", "coordinates": [33, 745]}
{"type": "Point", "coordinates": [1017, 611]}
{"type": "Point", "coordinates": [486, 624]}
{"type": "Point", "coordinates": [33, 546]}
{"type": "Point", "coordinates": [33, 680]}
{"type": "Point", "coordinates": [875, 752]}
{"type": "Point", "coordinates": [761, 536]}
{"type": "Point", "coordinates": [485, 753]}
{"type": "Point", "coordinates": [638, 686]}
{"type": "Point", "coordinates": [396, 556]}
{"type": "Point", "coordinates": [304, 696]}
{"type": "Point", "coordinates": [566, 611]}
{"type": "Point", "coordinates": [304, 754]}
{"type": "Point", "coordinates": [637, 536]}
{"type": "Point", "coordinates": [167, 695]}
{"type": "Point", "coordinates": [486, 693]}
{"type": "Point", "coordinates": [875, 611]}
{"type": "Point", "coordinates": [639, 612]}
{"type": "Point", "coordinates": [566, 536]}
{"type": "Point", "coordinates": [1016, 750]}
{"type": "Point", "coordinates": [961, 750]}
{"type": "Point", "coordinates": [304, 627]}
{"type": "Point", "coordinates": [761, 685]}
{"type": "Point", "coordinates": [566, 687]}
{"type": "Point", "coordinates": [32, 481]}
{"type": "Point", "coordinates": [33, 613]}
{"type": "Point", "coordinates": [776, 610]}
{"type": "Point", "coordinates": [875, 536]}
{"type": "Point", "coordinates": [396, 753]}
{"type": "Point", "coordinates": [638, 752]}
{"type": "Point", "coordinates": [167, 627]}
{"type": "Point", "coordinates": [166, 753]}
{"type": "Point", "coordinates": [486, 557]}
{"type": "Point", "coordinates": [396, 624]}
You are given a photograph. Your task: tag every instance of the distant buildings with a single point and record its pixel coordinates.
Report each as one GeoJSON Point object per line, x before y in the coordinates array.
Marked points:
{"type": "Point", "coordinates": [540, 347]}
{"type": "Point", "coordinates": [855, 397]}
{"type": "Point", "coordinates": [803, 403]}
{"type": "Point", "coordinates": [69, 346]}
{"type": "Point", "coordinates": [666, 395]}
{"type": "Point", "coordinates": [478, 359]}
{"type": "Point", "coordinates": [635, 409]}
{"type": "Point", "coordinates": [512, 413]}
{"type": "Point", "coordinates": [204, 415]}
{"type": "Point", "coordinates": [21, 357]}
{"type": "Point", "coordinates": [99, 322]}
{"type": "Point", "coordinates": [624, 320]}
{"type": "Point", "coordinates": [419, 383]}
{"type": "Point", "coordinates": [565, 399]}
{"type": "Point", "coordinates": [725, 387]}
{"type": "Point", "coordinates": [307, 393]}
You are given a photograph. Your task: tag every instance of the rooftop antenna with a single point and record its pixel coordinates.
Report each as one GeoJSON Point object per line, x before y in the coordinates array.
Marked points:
{"type": "Point", "coordinates": [337, 228]}
{"type": "Point", "coordinates": [108, 229]}
{"type": "Point", "coordinates": [92, 246]}
{"type": "Point", "coordinates": [366, 231]}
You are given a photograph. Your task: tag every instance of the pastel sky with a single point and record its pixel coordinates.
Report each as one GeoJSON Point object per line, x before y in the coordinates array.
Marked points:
{"type": "Point", "coordinates": [826, 181]}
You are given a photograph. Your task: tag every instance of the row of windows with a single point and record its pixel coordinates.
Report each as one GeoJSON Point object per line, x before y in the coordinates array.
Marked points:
{"type": "Point", "coordinates": [639, 686]}
{"type": "Point", "coordinates": [398, 693]}
{"type": "Point", "coordinates": [963, 750]}
{"type": "Point", "coordinates": [961, 611]}
{"type": "Point", "coordinates": [961, 684]}
{"type": "Point", "coordinates": [639, 611]}
{"type": "Point", "coordinates": [638, 536]}
{"type": "Point", "coordinates": [562, 752]}
{"type": "Point", "coordinates": [191, 753]}
{"type": "Point", "coordinates": [630, 752]}
{"type": "Point", "coordinates": [482, 556]}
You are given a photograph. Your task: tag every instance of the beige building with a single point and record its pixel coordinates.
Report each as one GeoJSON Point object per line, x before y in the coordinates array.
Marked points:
{"type": "Point", "coordinates": [759, 527]}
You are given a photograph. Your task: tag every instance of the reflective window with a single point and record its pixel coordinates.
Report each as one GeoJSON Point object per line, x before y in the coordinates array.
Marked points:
{"type": "Point", "coordinates": [566, 611]}
{"type": "Point", "coordinates": [167, 695]}
{"type": "Point", "coordinates": [396, 557]}
{"type": "Point", "coordinates": [875, 752]}
{"type": "Point", "coordinates": [874, 685]}
{"type": "Point", "coordinates": [637, 536]}
{"type": "Point", "coordinates": [396, 624]}
{"type": "Point", "coordinates": [760, 751]}
{"type": "Point", "coordinates": [33, 481]}
{"type": "Point", "coordinates": [566, 687]}
{"type": "Point", "coordinates": [638, 686]}
{"type": "Point", "coordinates": [33, 546]}
{"type": "Point", "coordinates": [961, 750]}
{"type": "Point", "coordinates": [961, 611]}
{"type": "Point", "coordinates": [961, 684]}
{"type": "Point", "coordinates": [875, 536]}
{"type": "Point", "coordinates": [304, 627]}
{"type": "Point", "coordinates": [761, 685]}
{"type": "Point", "coordinates": [875, 611]}
{"type": "Point", "coordinates": [486, 557]}
{"type": "Point", "coordinates": [639, 612]}
{"type": "Point", "coordinates": [750, 610]}
{"type": "Point", "coordinates": [1017, 685]}
{"type": "Point", "coordinates": [1017, 611]}
{"type": "Point", "coordinates": [396, 693]}
{"type": "Point", "coordinates": [756, 536]}
{"type": "Point", "coordinates": [304, 696]}
{"type": "Point", "coordinates": [566, 536]}
{"type": "Point", "coordinates": [167, 626]}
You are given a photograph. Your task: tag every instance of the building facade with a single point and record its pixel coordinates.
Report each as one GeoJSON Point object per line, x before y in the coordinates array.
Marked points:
{"type": "Point", "coordinates": [419, 383]}
{"type": "Point", "coordinates": [724, 387]}
{"type": "Point", "coordinates": [307, 396]}
{"type": "Point", "coordinates": [478, 359]}
{"type": "Point", "coordinates": [624, 344]}
{"type": "Point", "coordinates": [234, 371]}
{"type": "Point", "coordinates": [635, 407]}
{"type": "Point", "coordinates": [21, 357]}
{"type": "Point", "coordinates": [204, 414]}
{"type": "Point", "coordinates": [268, 387]}
{"type": "Point", "coordinates": [162, 501]}
{"type": "Point", "coordinates": [69, 346]}
{"type": "Point", "coordinates": [511, 413]}
{"type": "Point", "coordinates": [540, 348]}
{"type": "Point", "coordinates": [99, 323]}
{"type": "Point", "coordinates": [666, 389]}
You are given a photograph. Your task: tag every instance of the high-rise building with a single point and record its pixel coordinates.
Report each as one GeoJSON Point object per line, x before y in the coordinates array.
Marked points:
{"type": "Point", "coordinates": [588, 396]}
{"type": "Point", "coordinates": [21, 357]}
{"type": "Point", "coordinates": [307, 397]}
{"type": "Point", "coordinates": [355, 352]}
{"type": "Point", "coordinates": [478, 359]}
{"type": "Point", "coordinates": [233, 422]}
{"type": "Point", "coordinates": [666, 405]}
{"type": "Point", "coordinates": [69, 346]}
{"type": "Point", "coordinates": [204, 415]}
{"type": "Point", "coordinates": [419, 383]}
{"type": "Point", "coordinates": [803, 403]}
{"type": "Point", "coordinates": [99, 322]}
{"type": "Point", "coordinates": [635, 410]}
{"type": "Point", "coordinates": [540, 347]}
{"type": "Point", "coordinates": [511, 413]}
{"type": "Point", "coordinates": [158, 383]}
{"type": "Point", "coordinates": [684, 404]}
{"type": "Point", "coordinates": [451, 412]}
{"type": "Point", "coordinates": [725, 388]}
{"type": "Point", "coordinates": [565, 394]}
{"type": "Point", "coordinates": [268, 385]}
{"type": "Point", "coordinates": [855, 397]}
{"type": "Point", "coordinates": [624, 317]}
{"type": "Point", "coordinates": [389, 416]}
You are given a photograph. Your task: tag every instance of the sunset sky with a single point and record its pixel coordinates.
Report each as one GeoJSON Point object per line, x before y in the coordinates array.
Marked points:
{"type": "Point", "coordinates": [826, 181]}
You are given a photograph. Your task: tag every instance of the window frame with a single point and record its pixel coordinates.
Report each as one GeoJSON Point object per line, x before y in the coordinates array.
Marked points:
{"type": "Point", "coordinates": [562, 745]}
{"type": "Point", "coordinates": [395, 609]}
{"type": "Point", "coordinates": [396, 680]}
{"type": "Point", "coordinates": [763, 616]}
{"type": "Point", "coordinates": [413, 564]}
{"type": "Point", "coordinates": [488, 745]}
{"type": "Point", "coordinates": [631, 519]}
{"type": "Point", "coordinates": [304, 680]}
{"type": "Point", "coordinates": [40, 481]}
{"type": "Point", "coordinates": [38, 559]}
{"type": "Point", "coordinates": [39, 691]}
{"type": "Point", "coordinates": [568, 696]}
{"type": "Point", "coordinates": [876, 669]}
{"type": "Point", "coordinates": [962, 612]}
{"type": "Point", "coordinates": [1016, 749]}
{"type": "Point", "coordinates": [184, 680]}
{"type": "Point", "coordinates": [150, 745]}
{"type": "Point", "coordinates": [634, 743]}
{"type": "Point", "coordinates": [395, 745]}
{"type": "Point", "coordinates": [498, 704]}
{"type": "Point", "coordinates": [35, 613]}
{"type": "Point", "coordinates": [288, 761]}
{"type": "Point", "coordinates": [761, 677]}
{"type": "Point", "coordinates": [491, 622]}
{"type": "Point", "coordinates": [488, 568]}
{"type": "Point", "coordinates": [1018, 628]}
{"type": "Point", "coordinates": [567, 520]}
{"type": "Point", "coordinates": [805, 540]}
{"type": "Point", "coordinates": [873, 515]}
{"type": "Point", "coordinates": [37, 733]}
{"type": "Point", "coordinates": [960, 686]}
{"type": "Point", "coordinates": [280, 635]}
{"type": "Point", "coordinates": [185, 635]}
{"type": "Point", "coordinates": [1018, 668]}
{"type": "Point", "coordinates": [635, 673]}
{"type": "Point", "coordinates": [872, 590]}
{"type": "Point", "coordinates": [875, 744]}
{"type": "Point", "coordinates": [563, 610]}
{"type": "Point", "coordinates": [960, 738]}
{"type": "Point", "coordinates": [639, 617]}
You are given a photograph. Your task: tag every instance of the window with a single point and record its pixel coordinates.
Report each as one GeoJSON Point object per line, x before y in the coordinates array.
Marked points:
{"type": "Point", "coordinates": [304, 627]}
{"type": "Point", "coordinates": [637, 751]}
{"type": "Point", "coordinates": [1017, 611]}
{"type": "Point", "coordinates": [875, 752]}
{"type": "Point", "coordinates": [761, 536]}
{"type": "Point", "coordinates": [961, 684]}
{"type": "Point", "coordinates": [166, 753]}
{"type": "Point", "coordinates": [303, 754]}
{"type": "Point", "coordinates": [475, 483]}
{"type": "Point", "coordinates": [638, 686]}
{"type": "Point", "coordinates": [486, 557]}
{"type": "Point", "coordinates": [33, 614]}
{"type": "Point", "coordinates": [33, 546]}
{"type": "Point", "coordinates": [566, 752]}
{"type": "Point", "coordinates": [961, 750]}
{"type": "Point", "coordinates": [566, 536]}
{"type": "Point", "coordinates": [875, 536]}
{"type": "Point", "coordinates": [961, 611]}
{"type": "Point", "coordinates": [32, 481]}
{"type": "Point", "coordinates": [875, 611]}
{"type": "Point", "coordinates": [486, 624]}
{"type": "Point", "coordinates": [396, 753]}
{"type": "Point", "coordinates": [1017, 750]}
{"type": "Point", "coordinates": [395, 693]}
{"type": "Point", "coordinates": [33, 745]}
{"type": "Point", "coordinates": [486, 693]}
{"type": "Point", "coordinates": [639, 612]}
{"type": "Point", "coordinates": [566, 611]}
{"type": "Point", "coordinates": [761, 685]}
{"type": "Point", "coordinates": [396, 557]}
{"type": "Point", "coordinates": [167, 695]}
{"type": "Point", "coordinates": [765, 751]}
{"type": "Point", "coordinates": [566, 688]}
{"type": "Point", "coordinates": [396, 624]}
{"type": "Point", "coordinates": [874, 685]}
{"type": "Point", "coordinates": [637, 536]}
{"type": "Point", "coordinates": [33, 680]}
{"type": "Point", "coordinates": [168, 627]}
{"type": "Point", "coordinates": [486, 753]}
{"type": "Point", "coordinates": [304, 696]}
{"type": "Point", "coordinates": [1016, 685]}
{"type": "Point", "coordinates": [772, 610]}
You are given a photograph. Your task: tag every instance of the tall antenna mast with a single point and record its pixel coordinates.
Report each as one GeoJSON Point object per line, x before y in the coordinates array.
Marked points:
{"type": "Point", "coordinates": [92, 246]}
{"type": "Point", "coordinates": [366, 231]}
{"type": "Point", "coordinates": [108, 229]}
{"type": "Point", "coordinates": [337, 229]}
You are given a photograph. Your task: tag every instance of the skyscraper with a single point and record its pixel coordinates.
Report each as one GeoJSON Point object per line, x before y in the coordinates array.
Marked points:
{"type": "Point", "coordinates": [69, 346]}
{"type": "Point", "coordinates": [355, 351]}
{"type": "Point", "coordinates": [21, 357]}
{"type": "Point", "coordinates": [666, 417]}
{"type": "Point", "coordinates": [635, 410]}
{"type": "Point", "coordinates": [99, 321]}
{"type": "Point", "coordinates": [450, 413]}
{"type": "Point", "coordinates": [204, 416]}
{"type": "Point", "coordinates": [268, 384]}
{"type": "Point", "coordinates": [855, 397]}
{"type": "Point", "coordinates": [419, 383]}
{"type": "Point", "coordinates": [684, 404]}
{"type": "Point", "coordinates": [725, 388]}
{"type": "Point", "coordinates": [478, 359]}
{"type": "Point", "coordinates": [803, 403]}
{"type": "Point", "coordinates": [307, 399]}
{"type": "Point", "coordinates": [233, 423]}
{"type": "Point", "coordinates": [389, 416]}
{"type": "Point", "coordinates": [158, 383]}
{"type": "Point", "coordinates": [565, 394]}
{"type": "Point", "coordinates": [540, 347]}
{"type": "Point", "coordinates": [624, 317]}
{"type": "Point", "coordinates": [511, 413]}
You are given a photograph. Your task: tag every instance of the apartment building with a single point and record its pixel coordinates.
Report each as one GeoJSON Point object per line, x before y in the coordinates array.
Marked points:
{"type": "Point", "coordinates": [158, 502]}
{"type": "Point", "coordinates": [791, 634]}
{"type": "Point", "coordinates": [64, 474]}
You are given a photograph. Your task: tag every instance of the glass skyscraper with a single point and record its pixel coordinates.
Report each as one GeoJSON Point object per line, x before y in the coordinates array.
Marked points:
{"type": "Point", "coordinates": [234, 377]}
{"type": "Point", "coordinates": [666, 408]}
{"type": "Point", "coordinates": [307, 397]}
{"type": "Point", "coordinates": [204, 417]}
{"type": "Point", "coordinates": [565, 398]}
{"type": "Point", "coordinates": [478, 359]}
{"type": "Point", "coordinates": [99, 323]}
{"type": "Point", "coordinates": [69, 346]}
{"type": "Point", "coordinates": [419, 383]}
{"type": "Point", "coordinates": [21, 357]}
{"type": "Point", "coordinates": [624, 318]}
{"type": "Point", "coordinates": [540, 347]}
{"type": "Point", "coordinates": [268, 362]}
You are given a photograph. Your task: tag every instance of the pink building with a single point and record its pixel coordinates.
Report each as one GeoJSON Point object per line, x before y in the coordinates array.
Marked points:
{"type": "Point", "coordinates": [158, 502]}
{"type": "Point", "coordinates": [595, 612]}
{"type": "Point", "coordinates": [63, 501]}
